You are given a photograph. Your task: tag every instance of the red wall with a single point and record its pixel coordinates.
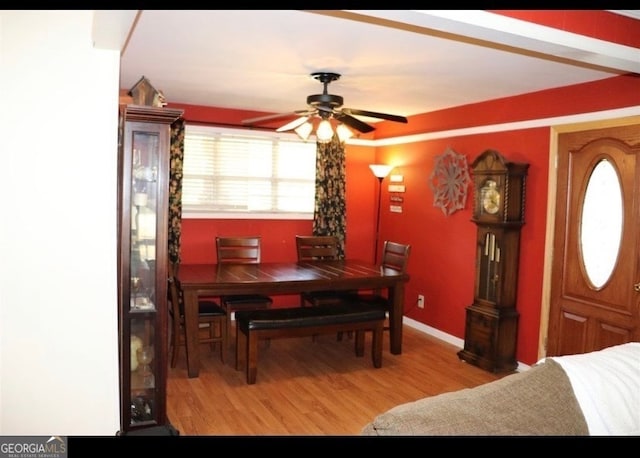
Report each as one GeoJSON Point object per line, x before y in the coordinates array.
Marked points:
{"type": "Point", "coordinates": [443, 247]}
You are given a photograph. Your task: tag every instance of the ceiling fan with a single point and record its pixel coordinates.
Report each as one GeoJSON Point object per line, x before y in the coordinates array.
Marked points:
{"type": "Point", "coordinates": [326, 106]}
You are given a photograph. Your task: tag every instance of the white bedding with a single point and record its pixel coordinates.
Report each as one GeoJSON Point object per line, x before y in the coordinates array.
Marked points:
{"type": "Point", "coordinates": [606, 384]}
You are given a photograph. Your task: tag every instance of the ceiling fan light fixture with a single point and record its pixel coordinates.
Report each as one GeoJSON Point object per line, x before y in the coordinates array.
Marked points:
{"type": "Point", "coordinates": [327, 107]}
{"type": "Point", "coordinates": [344, 133]}
{"type": "Point", "coordinates": [324, 132]}
{"type": "Point", "coordinates": [304, 130]}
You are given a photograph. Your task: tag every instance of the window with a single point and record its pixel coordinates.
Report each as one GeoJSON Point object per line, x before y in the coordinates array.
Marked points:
{"type": "Point", "coordinates": [233, 173]}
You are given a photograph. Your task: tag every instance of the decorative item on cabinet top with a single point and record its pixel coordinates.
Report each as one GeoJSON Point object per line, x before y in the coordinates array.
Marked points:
{"type": "Point", "coordinates": [143, 93]}
{"type": "Point", "coordinates": [450, 181]}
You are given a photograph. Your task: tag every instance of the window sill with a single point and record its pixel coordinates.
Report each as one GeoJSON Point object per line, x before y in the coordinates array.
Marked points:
{"type": "Point", "coordinates": [292, 216]}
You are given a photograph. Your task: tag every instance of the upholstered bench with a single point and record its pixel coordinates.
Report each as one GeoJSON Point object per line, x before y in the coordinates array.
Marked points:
{"type": "Point", "coordinates": [253, 325]}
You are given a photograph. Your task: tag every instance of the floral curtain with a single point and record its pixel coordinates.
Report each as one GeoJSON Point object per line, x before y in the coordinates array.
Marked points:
{"type": "Point", "coordinates": [176, 158]}
{"type": "Point", "coordinates": [330, 202]}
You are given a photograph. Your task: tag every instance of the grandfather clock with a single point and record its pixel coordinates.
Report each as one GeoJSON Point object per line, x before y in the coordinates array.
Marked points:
{"type": "Point", "coordinates": [491, 324]}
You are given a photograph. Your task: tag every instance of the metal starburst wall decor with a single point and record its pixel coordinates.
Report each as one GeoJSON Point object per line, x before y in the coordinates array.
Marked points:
{"type": "Point", "coordinates": [449, 181]}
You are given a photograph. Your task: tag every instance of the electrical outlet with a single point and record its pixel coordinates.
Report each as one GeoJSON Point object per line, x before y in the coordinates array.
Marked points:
{"type": "Point", "coordinates": [420, 301]}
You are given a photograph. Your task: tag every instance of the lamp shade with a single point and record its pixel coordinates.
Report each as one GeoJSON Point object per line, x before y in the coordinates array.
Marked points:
{"type": "Point", "coordinates": [344, 133]}
{"type": "Point", "coordinates": [304, 130]}
{"type": "Point", "coordinates": [324, 132]}
{"type": "Point", "coordinates": [380, 170]}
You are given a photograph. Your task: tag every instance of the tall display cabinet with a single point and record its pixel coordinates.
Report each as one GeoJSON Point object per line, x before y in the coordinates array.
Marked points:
{"type": "Point", "coordinates": [491, 328]}
{"type": "Point", "coordinates": [144, 147]}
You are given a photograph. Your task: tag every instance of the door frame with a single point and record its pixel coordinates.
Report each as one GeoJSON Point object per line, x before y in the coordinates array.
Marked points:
{"type": "Point", "coordinates": [551, 209]}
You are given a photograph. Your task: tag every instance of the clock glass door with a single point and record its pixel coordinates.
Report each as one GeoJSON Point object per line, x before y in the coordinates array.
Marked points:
{"type": "Point", "coordinates": [488, 271]}
{"type": "Point", "coordinates": [490, 197]}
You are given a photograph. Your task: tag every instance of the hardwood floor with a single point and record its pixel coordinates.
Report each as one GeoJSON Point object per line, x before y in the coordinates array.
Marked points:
{"type": "Point", "coordinates": [312, 388]}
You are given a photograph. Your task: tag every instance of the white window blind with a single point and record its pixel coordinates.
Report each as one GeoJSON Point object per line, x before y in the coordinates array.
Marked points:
{"type": "Point", "coordinates": [232, 173]}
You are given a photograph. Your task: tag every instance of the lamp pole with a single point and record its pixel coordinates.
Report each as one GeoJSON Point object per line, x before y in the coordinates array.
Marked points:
{"type": "Point", "coordinates": [380, 171]}
{"type": "Point", "coordinates": [375, 250]}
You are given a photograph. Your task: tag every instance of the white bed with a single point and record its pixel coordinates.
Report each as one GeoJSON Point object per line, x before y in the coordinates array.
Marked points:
{"type": "Point", "coordinates": [606, 384]}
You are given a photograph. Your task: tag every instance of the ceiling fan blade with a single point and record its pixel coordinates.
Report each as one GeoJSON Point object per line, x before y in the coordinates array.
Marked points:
{"type": "Point", "coordinates": [353, 122]}
{"type": "Point", "coordinates": [373, 114]}
{"type": "Point", "coordinates": [293, 124]}
{"type": "Point", "coordinates": [272, 117]}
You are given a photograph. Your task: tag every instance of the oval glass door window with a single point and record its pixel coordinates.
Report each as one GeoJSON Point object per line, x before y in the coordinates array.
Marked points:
{"type": "Point", "coordinates": [601, 228]}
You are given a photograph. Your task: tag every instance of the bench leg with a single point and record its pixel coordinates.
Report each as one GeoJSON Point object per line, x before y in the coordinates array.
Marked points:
{"type": "Point", "coordinates": [376, 345]}
{"type": "Point", "coordinates": [252, 357]}
{"type": "Point", "coordinates": [247, 353]}
{"type": "Point", "coordinates": [241, 343]}
{"type": "Point", "coordinates": [359, 342]}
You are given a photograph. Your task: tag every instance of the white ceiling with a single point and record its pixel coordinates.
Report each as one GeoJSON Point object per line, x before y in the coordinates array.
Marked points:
{"type": "Point", "coordinates": [399, 62]}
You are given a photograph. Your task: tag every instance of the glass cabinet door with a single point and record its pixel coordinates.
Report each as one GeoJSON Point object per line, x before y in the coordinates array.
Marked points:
{"type": "Point", "coordinates": [145, 159]}
{"type": "Point", "coordinates": [144, 211]}
{"type": "Point", "coordinates": [143, 363]}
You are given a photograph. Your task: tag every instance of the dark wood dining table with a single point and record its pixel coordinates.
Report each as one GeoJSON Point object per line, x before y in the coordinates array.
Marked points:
{"type": "Point", "coordinates": [279, 278]}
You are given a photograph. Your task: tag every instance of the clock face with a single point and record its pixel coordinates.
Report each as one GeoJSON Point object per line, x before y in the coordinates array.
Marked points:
{"type": "Point", "coordinates": [490, 197]}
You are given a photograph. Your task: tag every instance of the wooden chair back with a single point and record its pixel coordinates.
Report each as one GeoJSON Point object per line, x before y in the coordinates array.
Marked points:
{"type": "Point", "coordinates": [175, 300]}
{"type": "Point", "coordinates": [239, 250]}
{"type": "Point", "coordinates": [395, 256]}
{"type": "Point", "coordinates": [312, 247]}
{"type": "Point", "coordinates": [210, 315]}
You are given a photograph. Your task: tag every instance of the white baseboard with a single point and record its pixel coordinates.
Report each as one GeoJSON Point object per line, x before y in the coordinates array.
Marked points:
{"type": "Point", "coordinates": [446, 337]}
{"type": "Point", "coordinates": [433, 332]}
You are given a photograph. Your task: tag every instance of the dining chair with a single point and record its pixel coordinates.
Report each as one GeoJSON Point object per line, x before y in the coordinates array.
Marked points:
{"type": "Point", "coordinates": [321, 248]}
{"type": "Point", "coordinates": [212, 319]}
{"type": "Point", "coordinates": [241, 250]}
{"type": "Point", "coordinates": [394, 256]}
{"type": "Point", "coordinates": [315, 248]}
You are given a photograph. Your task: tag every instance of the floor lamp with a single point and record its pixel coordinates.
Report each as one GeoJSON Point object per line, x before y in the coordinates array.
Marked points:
{"type": "Point", "coordinates": [380, 171]}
